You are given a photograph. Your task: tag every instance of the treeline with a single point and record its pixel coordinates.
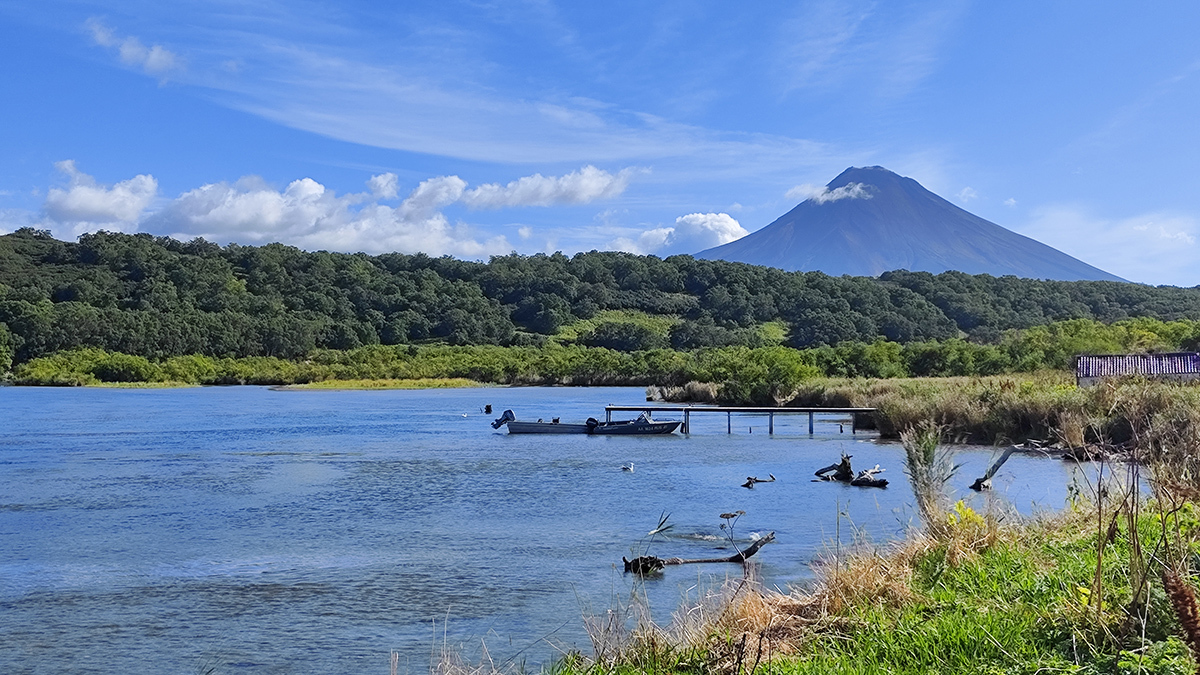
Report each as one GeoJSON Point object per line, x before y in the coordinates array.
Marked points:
{"type": "Point", "coordinates": [763, 375]}
{"type": "Point", "coordinates": [156, 297]}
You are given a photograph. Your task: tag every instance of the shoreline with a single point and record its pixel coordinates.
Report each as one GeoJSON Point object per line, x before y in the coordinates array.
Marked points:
{"type": "Point", "coordinates": [386, 384]}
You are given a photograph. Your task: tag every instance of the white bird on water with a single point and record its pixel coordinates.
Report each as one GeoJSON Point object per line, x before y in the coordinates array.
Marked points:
{"type": "Point", "coordinates": [627, 468]}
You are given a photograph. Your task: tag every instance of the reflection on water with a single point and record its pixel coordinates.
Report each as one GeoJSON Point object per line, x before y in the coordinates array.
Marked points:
{"type": "Point", "coordinates": [281, 531]}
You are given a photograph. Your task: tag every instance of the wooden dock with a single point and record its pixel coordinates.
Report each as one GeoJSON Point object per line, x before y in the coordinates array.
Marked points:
{"type": "Point", "coordinates": [687, 411]}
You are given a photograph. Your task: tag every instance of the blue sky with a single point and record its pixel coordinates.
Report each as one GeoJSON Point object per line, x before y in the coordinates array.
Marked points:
{"type": "Point", "coordinates": [475, 128]}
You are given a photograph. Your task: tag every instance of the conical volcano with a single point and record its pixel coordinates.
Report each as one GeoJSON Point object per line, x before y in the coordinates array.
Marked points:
{"type": "Point", "coordinates": [869, 220]}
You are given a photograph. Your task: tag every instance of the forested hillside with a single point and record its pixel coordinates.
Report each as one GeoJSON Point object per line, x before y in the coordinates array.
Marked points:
{"type": "Point", "coordinates": [158, 297]}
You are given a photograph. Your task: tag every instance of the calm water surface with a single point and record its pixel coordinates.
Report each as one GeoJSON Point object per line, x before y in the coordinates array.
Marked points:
{"type": "Point", "coordinates": [247, 530]}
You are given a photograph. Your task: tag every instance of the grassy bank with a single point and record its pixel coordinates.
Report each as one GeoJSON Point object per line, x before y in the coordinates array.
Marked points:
{"type": "Point", "coordinates": [422, 383]}
{"type": "Point", "coordinates": [981, 598]}
{"type": "Point", "coordinates": [1107, 586]}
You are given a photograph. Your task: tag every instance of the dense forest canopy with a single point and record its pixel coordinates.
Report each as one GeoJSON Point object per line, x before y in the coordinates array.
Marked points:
{"type": "Point", "coordinates": [157, 297]}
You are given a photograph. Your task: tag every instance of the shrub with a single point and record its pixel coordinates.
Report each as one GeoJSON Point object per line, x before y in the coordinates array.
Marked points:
{"type": "Point", "coordinates": [623, 337]}
{"type": "Point", "coordinates": [125, 368]}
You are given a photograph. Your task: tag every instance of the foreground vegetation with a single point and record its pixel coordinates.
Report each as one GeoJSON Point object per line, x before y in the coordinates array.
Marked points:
{"type": "Point", "coordinates": [1048, 596]}
{"type": "Point", "coordinates": [1108, 586]}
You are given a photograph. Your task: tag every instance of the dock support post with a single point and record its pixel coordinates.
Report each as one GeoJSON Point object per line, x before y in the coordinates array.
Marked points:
{"type": "Point", "coordinates": [687, 421]}
{"type": "Point", "coordinates": [771, 423]}
{"type": "Point", "coordinates": [728, 422]}
{"type": "Point", "coordinates": [810, 423]}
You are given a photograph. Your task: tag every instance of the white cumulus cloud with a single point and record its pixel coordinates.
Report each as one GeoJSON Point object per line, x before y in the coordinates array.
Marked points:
{"type": "Point", "coordinates": [154, 60]}
{"type": "Point", "coordinates": [967, 194]}
{"type": "Point", "coordinates": [86, 205]}
{"type": "Point", "coordinates": [692, 233]}
{"type": "Point", "coordinates": [820, 194]}
{"type": "Point", "coordinates": [307, 214]}
{"type": "Point", "coordinates": [578, 187]}
{"type": "Point", "coordinates": [384, 186]}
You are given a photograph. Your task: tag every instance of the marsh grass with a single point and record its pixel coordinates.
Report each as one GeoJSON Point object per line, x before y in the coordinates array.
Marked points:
{"type": "Point", "coordinates": [929, 465]}
{"type": "Point", "coordinates": [999, 409]}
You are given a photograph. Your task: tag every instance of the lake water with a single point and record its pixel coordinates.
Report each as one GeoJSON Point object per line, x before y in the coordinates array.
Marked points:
{"type": "Point", "coordinates": [246, 530]}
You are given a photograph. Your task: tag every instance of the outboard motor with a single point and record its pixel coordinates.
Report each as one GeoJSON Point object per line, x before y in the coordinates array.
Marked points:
{"type": "Point", "coordinates": [505, 418]}
{"type": "Point", "coordinates": [592, 423]}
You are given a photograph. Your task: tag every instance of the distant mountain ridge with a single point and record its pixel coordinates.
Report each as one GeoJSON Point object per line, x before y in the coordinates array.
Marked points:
{"type": "Point", "coordinates": [870, 220]}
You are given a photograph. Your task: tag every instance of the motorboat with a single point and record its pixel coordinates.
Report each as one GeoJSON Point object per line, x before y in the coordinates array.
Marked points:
{"type": "Point", "coordinates": [643, 425]}
{"type": "Point", "coordinates": [516, 426]}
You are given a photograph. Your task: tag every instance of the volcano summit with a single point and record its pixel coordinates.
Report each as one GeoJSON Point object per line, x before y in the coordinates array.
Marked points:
{"type": "Point", "coordinates": [869, 220]}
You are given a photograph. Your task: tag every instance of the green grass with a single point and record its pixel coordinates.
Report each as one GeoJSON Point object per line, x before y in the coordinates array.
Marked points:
{"type": "Point", "coordinates": [1021, 606]}
{"type": "Point", "coordinates": [773, 332]}
{"type": "Point", "coordinates": [659, 324]}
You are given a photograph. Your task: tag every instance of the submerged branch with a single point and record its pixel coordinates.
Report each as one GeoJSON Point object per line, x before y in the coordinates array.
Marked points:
{"type": "Point", "coordinates": [648, 564]}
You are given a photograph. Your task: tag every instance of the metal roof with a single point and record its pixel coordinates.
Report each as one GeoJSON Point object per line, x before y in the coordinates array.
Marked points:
{"type": "Point", "coordinates": [1112, 365]}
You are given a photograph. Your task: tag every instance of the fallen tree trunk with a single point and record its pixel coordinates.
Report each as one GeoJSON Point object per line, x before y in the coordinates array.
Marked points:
{"type": "Point", "coordinates": [985, 482]}
{"type": "Point", "coordinates": [648, 564]}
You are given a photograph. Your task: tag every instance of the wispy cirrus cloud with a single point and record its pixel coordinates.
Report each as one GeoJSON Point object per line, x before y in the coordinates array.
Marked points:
{"type": "Point", "coordinates": [437, 90]}
{"type": "Point", "coordinates": [832, 44]}
{"type": "Point", "coordinates": [1165, 243]}
{"type": "Point", "coordinates": [154, 60]}
{"type": "Point", "coordinates": [390, 107]}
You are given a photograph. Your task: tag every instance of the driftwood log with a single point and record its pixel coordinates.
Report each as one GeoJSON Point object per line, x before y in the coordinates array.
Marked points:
{"type": "Point", "coordinates": [648, 564]}
{"type": "Point", "coordinates": [751, 480]}
{"type": "Point", "coordinates": [866, 478]}
{"type": "Point", "coordinates": [841, 471]}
